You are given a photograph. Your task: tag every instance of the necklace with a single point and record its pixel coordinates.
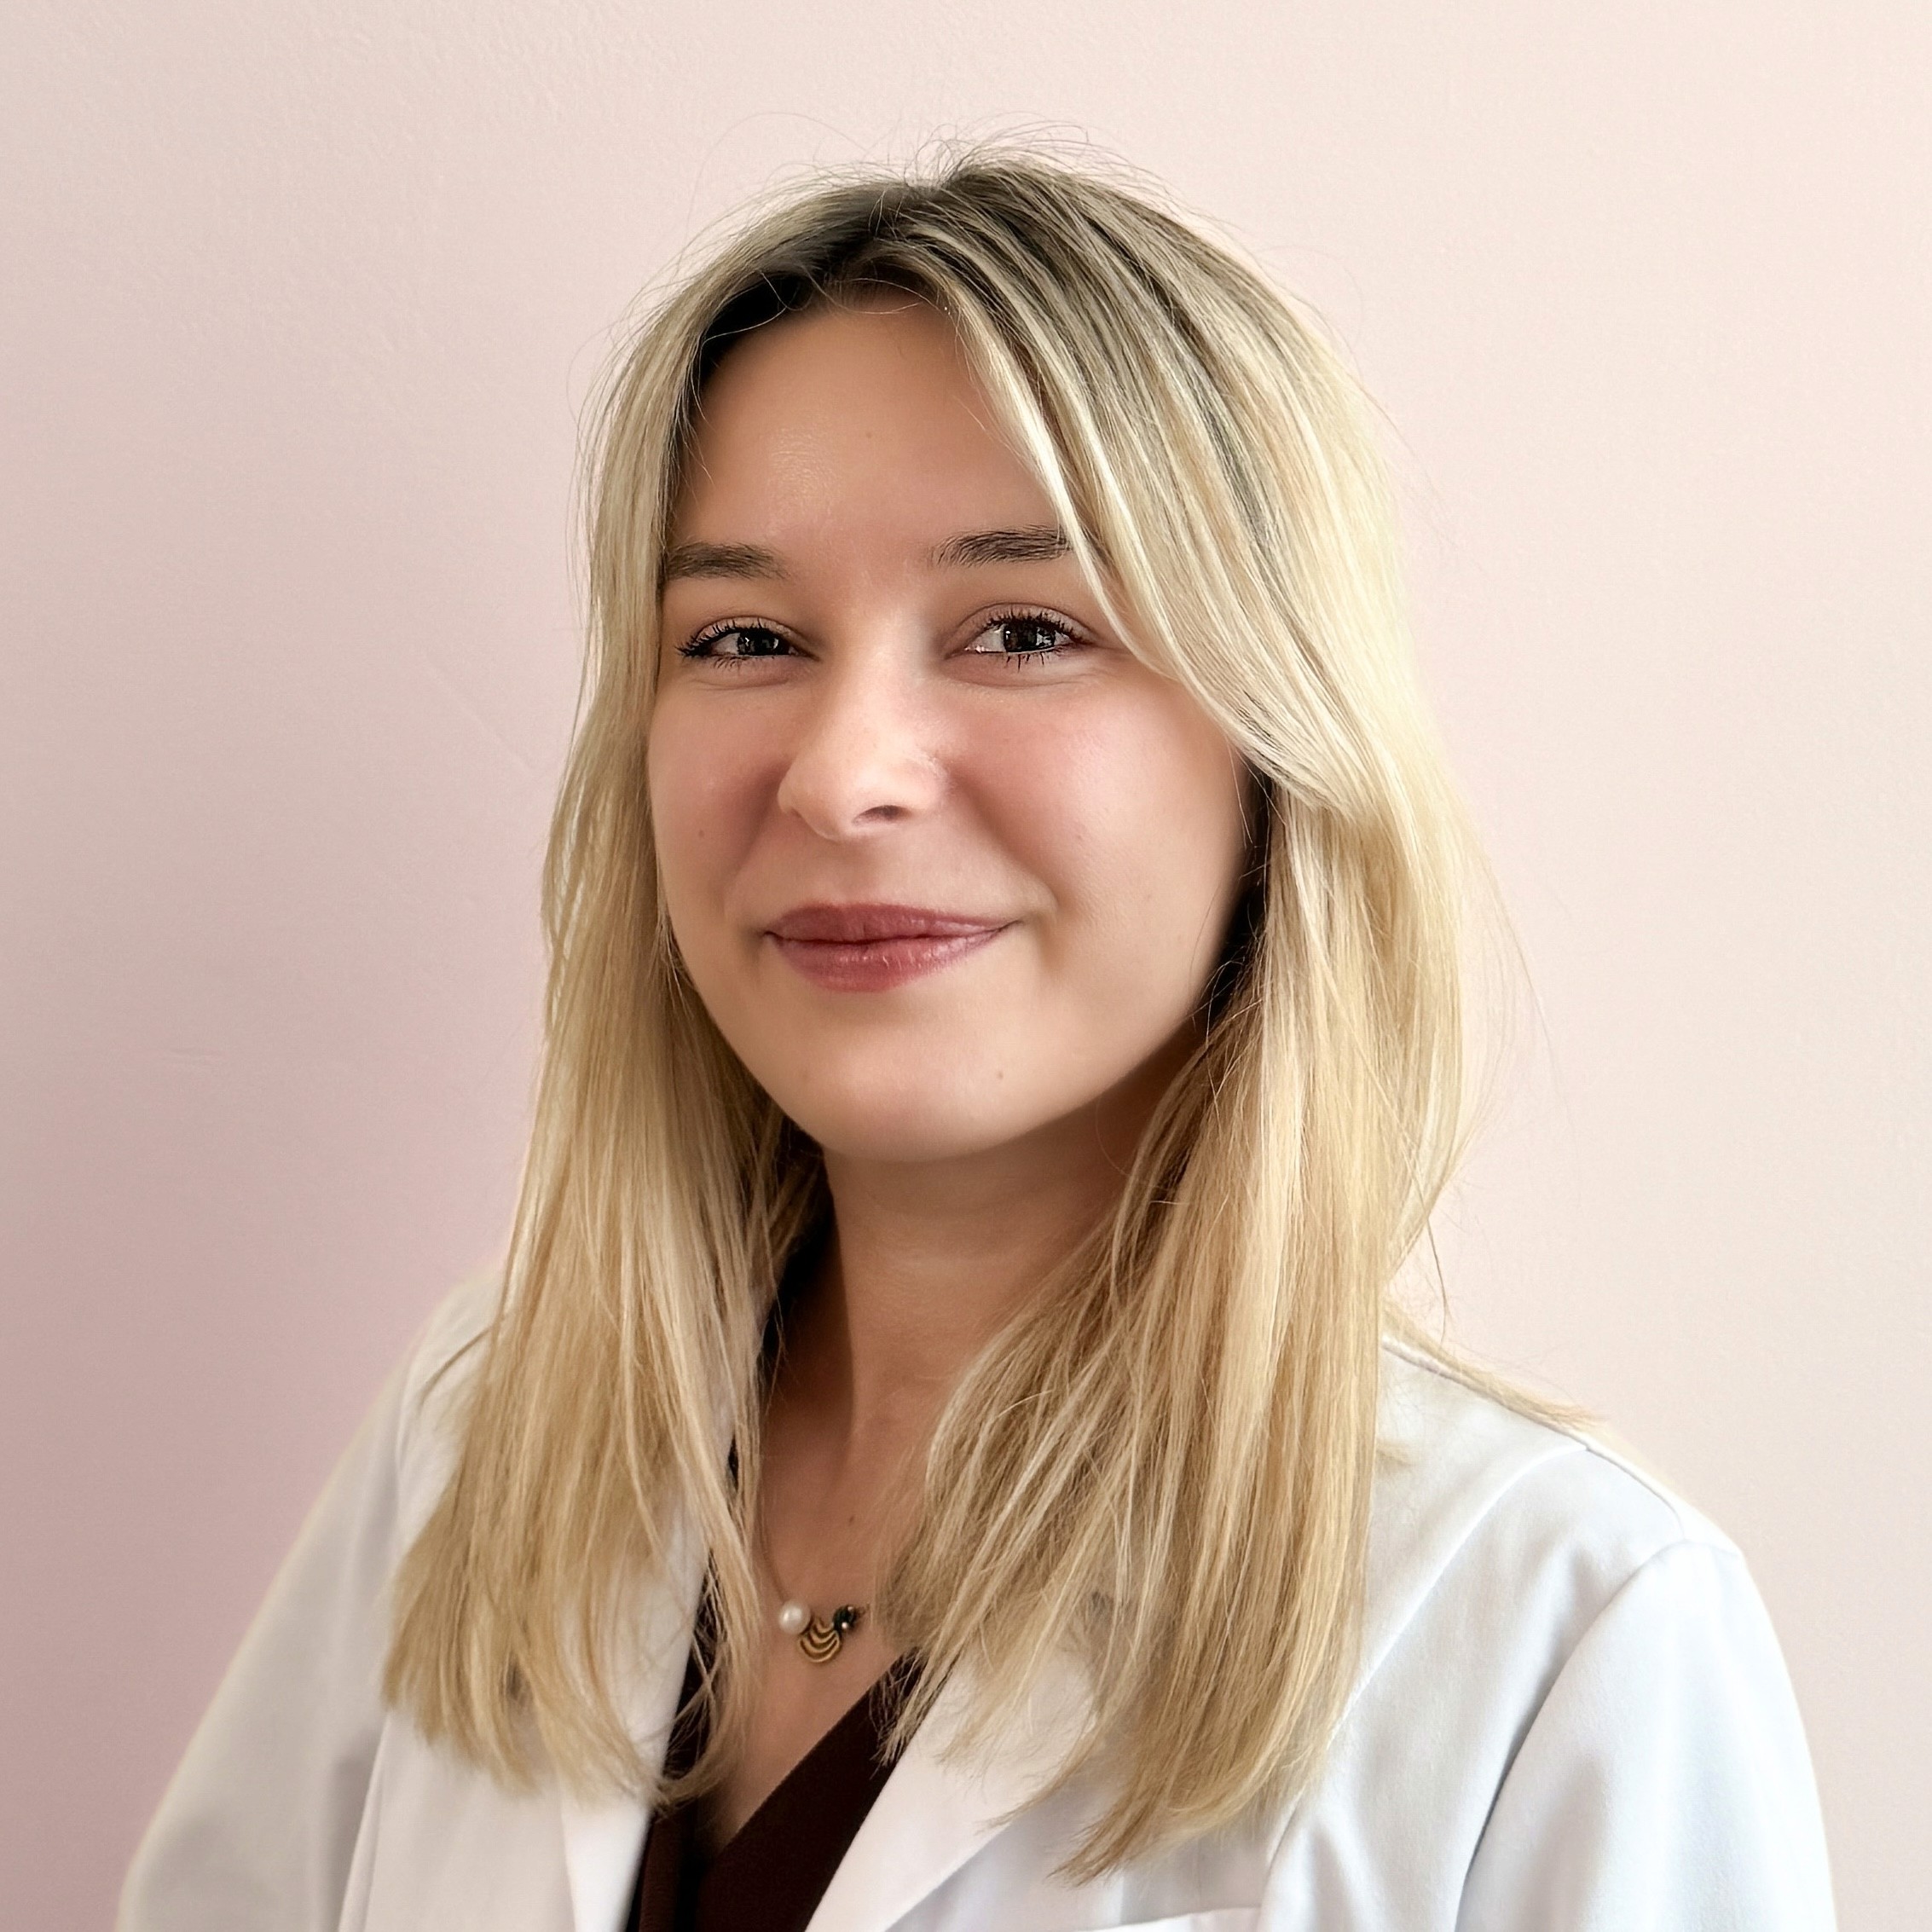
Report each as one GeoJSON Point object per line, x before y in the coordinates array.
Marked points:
{"type": "Point", "coordinates": [820, 1637]}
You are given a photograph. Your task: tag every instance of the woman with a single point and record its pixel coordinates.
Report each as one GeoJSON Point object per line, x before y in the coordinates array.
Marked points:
{"type": "Point", "coordinates": [945, 1452]}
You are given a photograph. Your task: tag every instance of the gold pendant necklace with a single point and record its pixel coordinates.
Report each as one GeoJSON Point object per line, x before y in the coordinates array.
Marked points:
{"type": "Point", "coordinates": [820, 1637]}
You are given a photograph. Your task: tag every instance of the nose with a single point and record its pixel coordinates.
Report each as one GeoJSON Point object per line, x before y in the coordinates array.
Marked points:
{"type": "Point", "coordinates": [862, 760]}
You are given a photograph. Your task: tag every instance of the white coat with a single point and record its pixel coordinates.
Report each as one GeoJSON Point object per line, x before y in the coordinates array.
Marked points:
{"type": "Point", "coordinates": [1571, 1716]}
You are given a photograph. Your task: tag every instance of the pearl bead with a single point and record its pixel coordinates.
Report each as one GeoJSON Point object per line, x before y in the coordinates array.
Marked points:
{"type": "Point", "coordinates": [793, 1616]}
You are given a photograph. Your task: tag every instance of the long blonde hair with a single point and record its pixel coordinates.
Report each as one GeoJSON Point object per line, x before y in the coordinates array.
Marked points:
{"type": "Point", "coordinates": [1162, 1467]}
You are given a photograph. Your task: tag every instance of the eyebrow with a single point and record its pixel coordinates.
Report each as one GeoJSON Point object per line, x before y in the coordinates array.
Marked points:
{"type": "Point", "coordinates": [719, 560]}
{"type": "Point", "coordinates": [1039, 543]}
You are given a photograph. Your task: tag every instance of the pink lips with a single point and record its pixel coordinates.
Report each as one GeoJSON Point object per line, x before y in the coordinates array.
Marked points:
{"type": "Point", "coordinates": [873, 948]}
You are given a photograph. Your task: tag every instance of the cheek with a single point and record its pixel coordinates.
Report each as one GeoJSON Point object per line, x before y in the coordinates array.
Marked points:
{"type": "Point", "coordinates": [1130, 810]}
{"type": "Point", "coordinates": [703, 791]}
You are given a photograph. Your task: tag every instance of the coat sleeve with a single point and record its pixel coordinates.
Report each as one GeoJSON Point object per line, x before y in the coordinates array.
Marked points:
{"type": "Point", "coordinates": [258, 1826]}
{"type": "Point", "coordinates": [1664, 1783]}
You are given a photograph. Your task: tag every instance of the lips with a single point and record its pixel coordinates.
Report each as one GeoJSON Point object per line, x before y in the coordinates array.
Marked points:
{"type": "Point", "coordinates": [870, 948]}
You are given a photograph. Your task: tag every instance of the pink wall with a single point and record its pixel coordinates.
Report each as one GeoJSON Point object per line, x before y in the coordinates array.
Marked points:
{"type": "Point", "coordinates": [298, 302]}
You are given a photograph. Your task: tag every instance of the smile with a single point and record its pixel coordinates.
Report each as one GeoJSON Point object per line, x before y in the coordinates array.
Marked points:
{"type": "Point", "coordinates": [874, 948]}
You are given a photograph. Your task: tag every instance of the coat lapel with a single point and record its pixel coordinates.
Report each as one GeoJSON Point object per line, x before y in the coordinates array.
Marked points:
{"type": "Point", "coordinates": [603, 1837]}
{"type": "Point", "coordinates": [602, 1844]}
{"type": "Point", "coordinates": [938, 1809]}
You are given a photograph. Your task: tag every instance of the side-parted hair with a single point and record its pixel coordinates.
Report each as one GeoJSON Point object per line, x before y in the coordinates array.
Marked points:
{"type": "Point", "coordinates": [1161, 1468]}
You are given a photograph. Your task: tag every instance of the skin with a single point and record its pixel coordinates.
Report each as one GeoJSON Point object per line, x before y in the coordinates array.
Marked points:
{"type": "Point", "coordinates": [849, 713]}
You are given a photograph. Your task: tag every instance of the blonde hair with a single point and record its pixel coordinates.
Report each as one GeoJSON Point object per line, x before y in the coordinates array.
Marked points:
{"type": "Point", "coordinates": [1162, 1467]}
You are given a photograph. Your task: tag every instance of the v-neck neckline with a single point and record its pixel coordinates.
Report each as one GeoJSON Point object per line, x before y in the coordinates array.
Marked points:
{"type": "Point", "coordinates": [771, 1873]}
{"type": "Point", "coordinates": [863, 1722]}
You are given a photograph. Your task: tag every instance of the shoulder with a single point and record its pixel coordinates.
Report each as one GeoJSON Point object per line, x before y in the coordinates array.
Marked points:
{"type": "Point", "coordinates": [1569, 1709]}
{"type": "Point", "coordinates": [1473, 1498]}
{"type": "Point", "coordinates": [1570, 1706]}
{"type": "Point", "coordinates": [459, 1322]}
{"type": "Point", "coordinates": [429, 1388]}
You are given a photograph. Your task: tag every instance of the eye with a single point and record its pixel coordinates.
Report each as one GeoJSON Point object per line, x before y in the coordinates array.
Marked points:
{"type": "Point", "coordinates": [735, 643]}
{"type": "Point", "coordinates": [1022, 634]}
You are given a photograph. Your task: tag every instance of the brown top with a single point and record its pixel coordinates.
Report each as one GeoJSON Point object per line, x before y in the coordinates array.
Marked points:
{"type": "Point", "coordinates": [770, 1874]}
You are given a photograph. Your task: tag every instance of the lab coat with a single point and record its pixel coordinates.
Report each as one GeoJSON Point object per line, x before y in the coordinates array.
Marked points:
{"type": "Point", "coordinates": [1570, 1713]}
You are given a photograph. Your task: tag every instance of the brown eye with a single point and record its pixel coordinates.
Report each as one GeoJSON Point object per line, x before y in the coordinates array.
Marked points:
{"type": "Point", "coordinates": [1029, 634]}
{"type": "Point", "coordinates": [735, 643]}
{"type": "Point", "coordinates": [1022, 634]}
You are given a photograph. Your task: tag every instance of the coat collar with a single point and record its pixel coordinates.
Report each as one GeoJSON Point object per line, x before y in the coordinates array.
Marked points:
{"type": "Point", "coordinates": [936, 1810]}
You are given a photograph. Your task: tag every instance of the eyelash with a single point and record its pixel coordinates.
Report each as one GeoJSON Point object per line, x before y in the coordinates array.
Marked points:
{"type": "Point", "coordinates": [700, 647]}
{"type": "Point", "coordinates": [1070, 639]}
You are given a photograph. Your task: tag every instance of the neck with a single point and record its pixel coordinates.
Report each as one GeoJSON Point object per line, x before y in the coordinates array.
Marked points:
{"type": "Point", "coordinates": [929, 1260]}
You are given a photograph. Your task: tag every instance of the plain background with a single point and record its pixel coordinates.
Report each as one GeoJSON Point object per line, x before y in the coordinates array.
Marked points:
{"type": "Point", "coordinates": [301, 300]}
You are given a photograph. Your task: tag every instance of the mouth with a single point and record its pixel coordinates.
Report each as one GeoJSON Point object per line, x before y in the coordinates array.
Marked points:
{"type": "Point", "coordinates": [868, 948]}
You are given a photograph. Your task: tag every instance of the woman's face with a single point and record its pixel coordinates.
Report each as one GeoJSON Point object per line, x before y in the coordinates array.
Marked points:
{"type": "Point", "coordinates": [946, 863]}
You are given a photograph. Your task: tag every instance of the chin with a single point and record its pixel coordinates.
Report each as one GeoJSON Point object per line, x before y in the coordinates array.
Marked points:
{"type": "Point", "coordinates": [913, 1134]}
{"type": "Point", "coordinates": [911, 1107]}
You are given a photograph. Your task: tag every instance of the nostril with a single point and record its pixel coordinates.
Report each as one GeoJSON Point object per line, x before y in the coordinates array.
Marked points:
{"type": "Point", "coordinates": [841, 781]}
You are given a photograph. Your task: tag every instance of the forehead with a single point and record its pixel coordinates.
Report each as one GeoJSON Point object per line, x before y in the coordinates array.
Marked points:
{"type": "Point", "coordinates": [851, 423]}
